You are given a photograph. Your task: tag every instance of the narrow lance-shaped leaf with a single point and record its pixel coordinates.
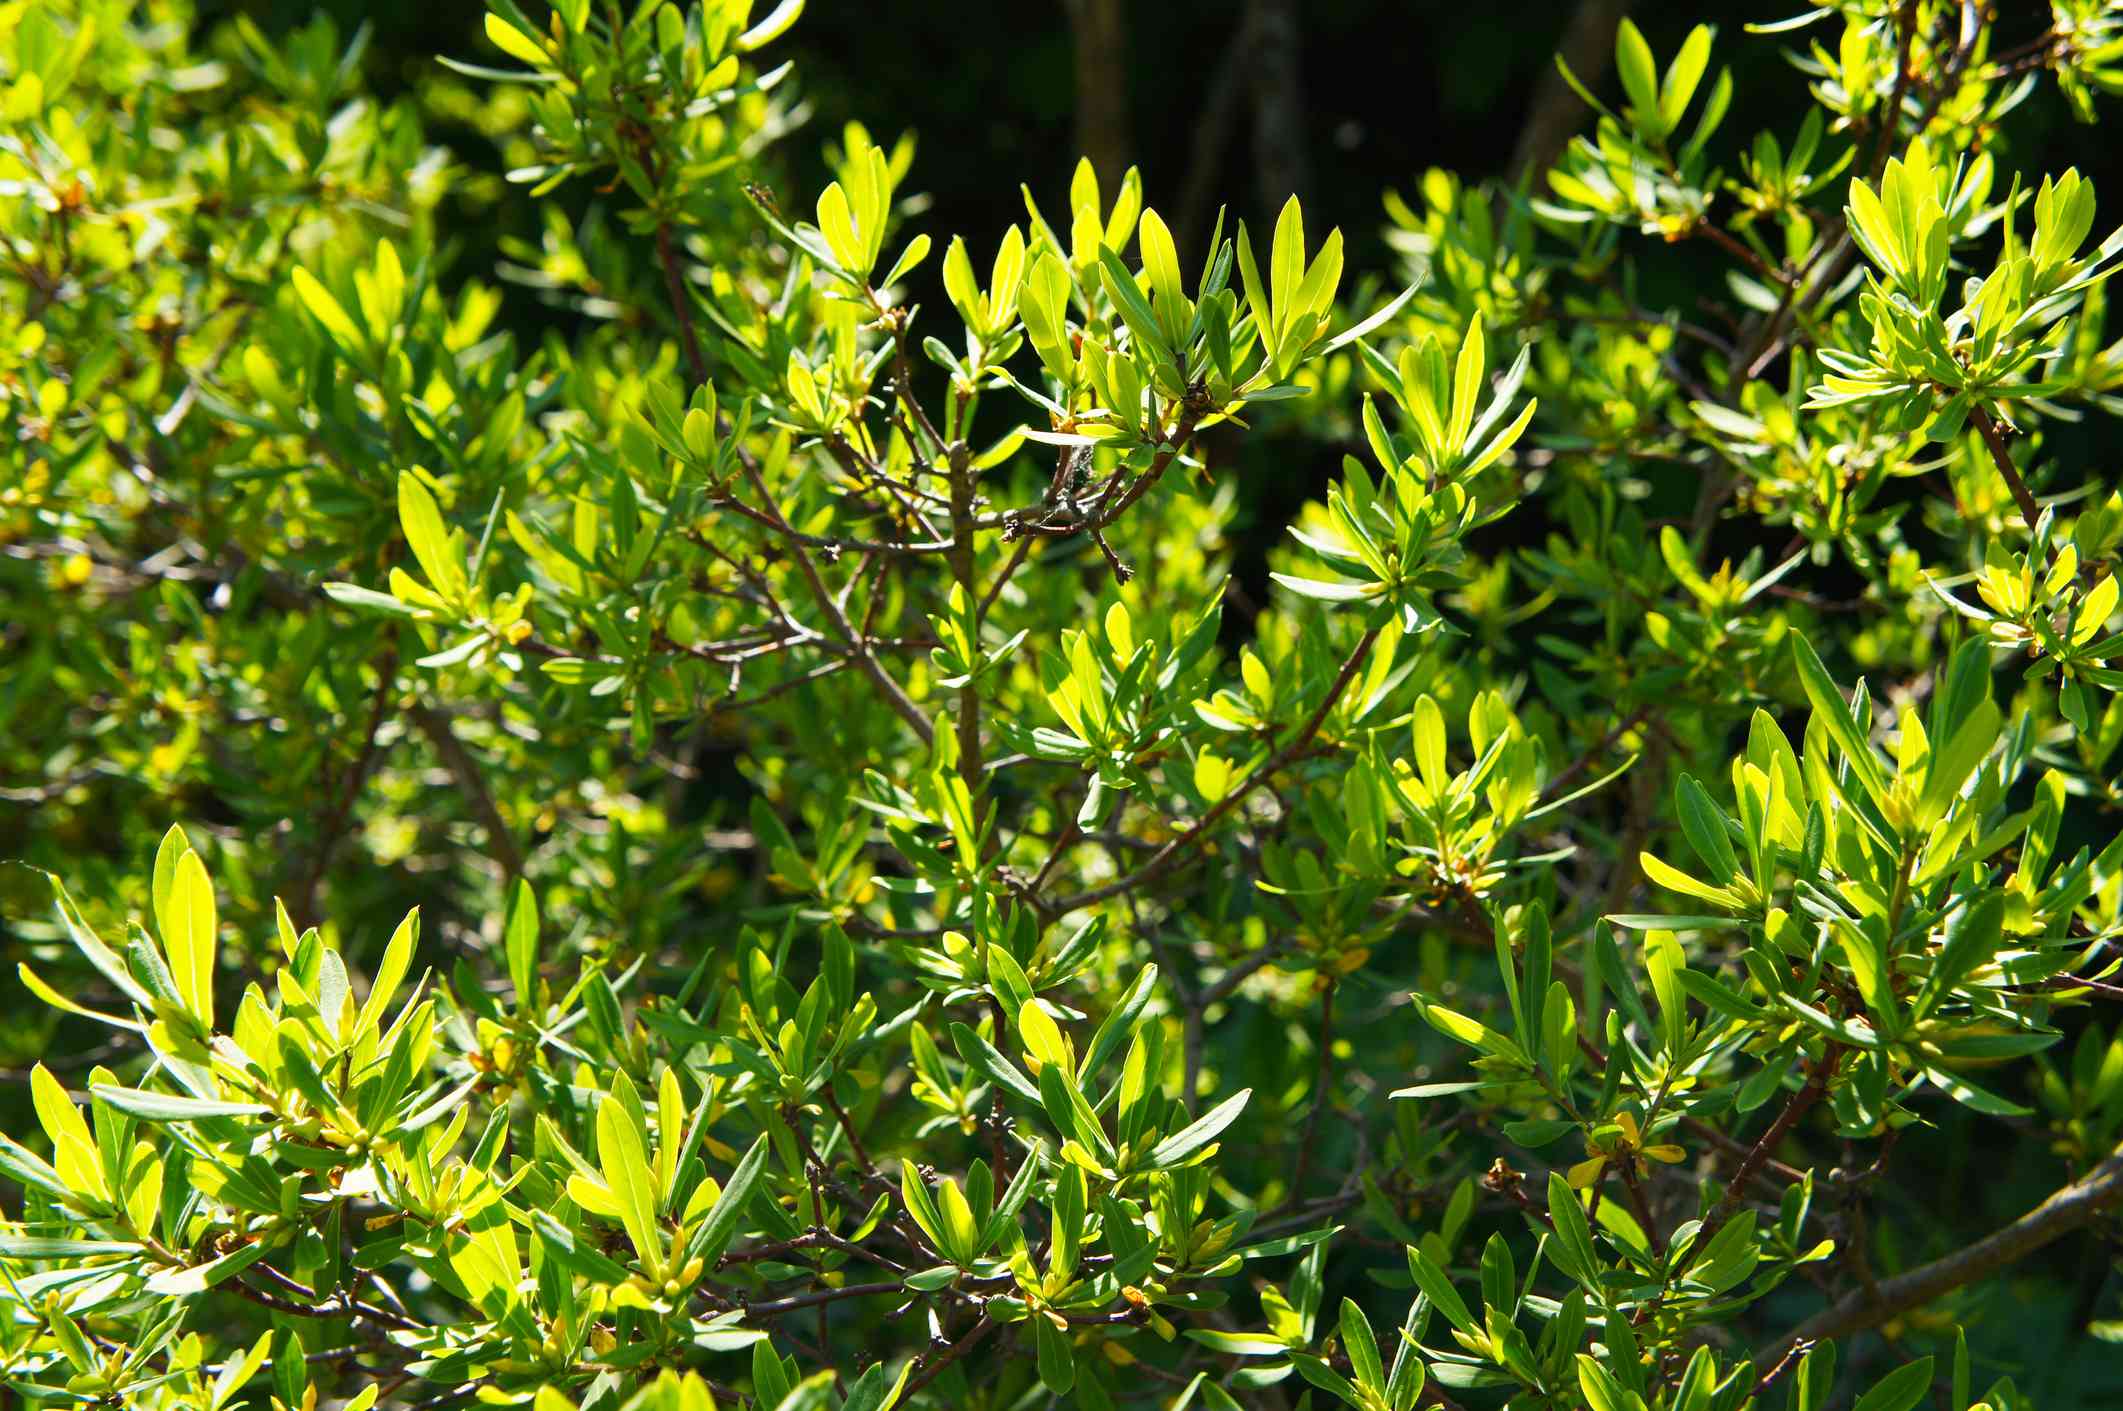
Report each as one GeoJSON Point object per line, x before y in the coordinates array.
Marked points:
{"type": "Point", "coordinates": [625, 1164]}
{"type": "Point", "coordinates": [191, 939]}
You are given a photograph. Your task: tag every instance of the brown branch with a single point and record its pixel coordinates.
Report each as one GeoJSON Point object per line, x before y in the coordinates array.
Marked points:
{"type": "Point", "coordinates": [1767, 1172]}
{"type": "Point", "coordinates": [1891, 121]}
{"type": "Point", "coordinates": [465, 770]}
{"type": "Point", "coordinates": [2001, 455]}
{"type": "Point", "coordinates": [973, 1338]}
{"type": "Point", "coordinates": [895, 695]}
{"type": "Point", "coordinates": [964, 570]}
{"type": "Point", "coordinates": [681, 301]}
{"type": "Point", "coordinates": [847, 1126]}
{"type": "Point", "coordinates": [306, 1302]}
{"type": "Point", "coordinates": [1108, 507]}
{"type": "Point", "coordinates": [778, 1306]}
{"type": "Point", "coordinates": [1736, 1189]}
{"type": "Point", "coordinates": [1731, 245]}
{"type": "Point", "coordinates": [1002, 579]}
{"type": "Point", "coordinates": [888, 686]}
{"type": "Point", "coordinates": [1832, 255]}
{"type": "Point", "coordinates": [357, 774]}
{"type": "Point", "coordinates": [2075, 1205]}
{"type": "Point", "coordinates": [1768, 1379]}
{"type": "Point", "coordinates": [1225, 985]}
{"type": "Point", "coordinates": [1584, 761]}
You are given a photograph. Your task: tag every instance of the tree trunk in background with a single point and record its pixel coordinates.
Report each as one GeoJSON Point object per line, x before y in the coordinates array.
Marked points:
{"type": "Point", "coordinates": [1212, 136]}
{"type": "Point", "coordinates": [1281, 160]}
{"type": "Point", "coordinates": [1102, 131]}
{"type": "Point", "coordinates": [1587, 45]}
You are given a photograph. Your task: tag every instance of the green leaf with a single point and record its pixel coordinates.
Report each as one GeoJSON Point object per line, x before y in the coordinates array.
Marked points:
{"type": "Point", "coordinates": [1127, 297]}
{"type": "Point", "coordinates": [625, 1164]}
{"type": "Point", "coordinates": [1286, 265]}
{"type": "Point", "coordinates": [960, 1231]}
{"type": "Point", "coordinates": [1575, 1255]}
{"type": "Point", "coordinates": [1316, 1371]}
{"type": "Point", "coordinates": [871, 1391]}
{"type": "Point", "coordinates": [1974, 1096]}
{"type": "Point", "coordinates": [428, 537]}
{"type": "Point", "coordinates": [1640, 79]}
{"type": "Point", "coordinates": [1189, 1140]}
{"type": "Point", "coordinates": [520, 938]}
{"type": "Point", "coordinates": [1972, 940]}
{"type": "Point", "coordinates": [327, 311]}
{"type": "Point", "coordinates": [1057, 1364]}
{"type": "Point", "coordinates": [353, 595]}
{"type": "Point", "coordinates": [1120, 1025]}
{"type": "Point", "coordinates": [909, 259]}
{"type": "Point", "coordinates": [26, 1168]}
{"type": "Point", "coordinates": [168, 854]}
{"type": "Point", "coordinates": [722, 1222]}
{"type": "Point", "coordinates": [1834, 712]}
{"type": "Point", "coordinates": [1683, 75]}
{"type": "Point", "coordinates": [1900, 1389]}
{"type": "Point", "coordinates": [1466, 387]}
{"type": "Point", "coordinates": [106, 961]}
{"type": "Point", "coordinates": [167, 1107]}
{"type": "Point", "coordinates": [772, 27]}
{"type": "Point", "coordinates": [1362, 1347]}
{"type": "Point", "coordinates": [1472, 1032]}
{"type": "Point", "coordinates": [516, 44]}
{"type": "Point", "coordinates": [198, 1278]}
{"type": "Point", "coordinates": [1327, 590]}
{"type": "Point", "coordinates": [397, 959]}
{"type": "Point", "coordinates": [985, 1059]}
{"type": "Point", "coordinates": [192, 938]}
{"type": "Point", "coordinates": [1428, 725]}
{"type": "Point", "coordinates": [34, 1247]}
{"type": "Point", "coordinates": [1439, 1290]}
{"type": "Point", "coordinates": [1704, 826]}
{"type": "Point", "coordinates": [914, 1194]}
{"type": "Point", "coordinates": [1161, 263]}
{"type": "Point", "coordinates": [1874, 231]}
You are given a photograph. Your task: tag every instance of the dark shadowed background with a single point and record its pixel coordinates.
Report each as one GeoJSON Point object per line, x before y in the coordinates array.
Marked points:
{"type": "Point", "coordinates": [1231, 101]}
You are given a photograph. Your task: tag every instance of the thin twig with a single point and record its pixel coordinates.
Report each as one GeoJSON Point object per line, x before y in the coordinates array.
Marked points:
{"type": "Point", "coordinates": [357, 774]}
{"type": "Point", "coordinates": [1169, 856]}
{"type": "Point", "coordinates": [1736, 1189]}
{"type": "Point", "coordinates": [681, 301]}
{"type": "Point", "coordinates": [2001, 456]}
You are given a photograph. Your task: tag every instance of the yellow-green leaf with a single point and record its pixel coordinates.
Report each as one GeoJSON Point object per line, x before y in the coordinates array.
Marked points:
{"type": "Point", "coordinates": [397, 959]}
{"type": "Point", "coordinates": [190, 940]}
{"type": "Point", "coordinates": [516, 44]}
{"type": "Point", "coordinates": [326, 310]}
{"type": "Point", "coordinates": [625, 1163]}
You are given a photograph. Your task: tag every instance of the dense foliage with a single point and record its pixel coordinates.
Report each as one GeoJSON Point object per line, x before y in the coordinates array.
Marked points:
{"type": "Point", "coordinates": [755, 853]}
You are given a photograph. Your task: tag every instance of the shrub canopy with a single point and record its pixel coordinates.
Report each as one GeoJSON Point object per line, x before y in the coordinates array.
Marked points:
{"type": "Point", "coordinates": [752, 849]}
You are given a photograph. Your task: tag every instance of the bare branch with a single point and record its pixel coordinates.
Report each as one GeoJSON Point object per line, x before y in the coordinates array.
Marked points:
{"type": "Point", "coordinates": [2068, 1209]}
